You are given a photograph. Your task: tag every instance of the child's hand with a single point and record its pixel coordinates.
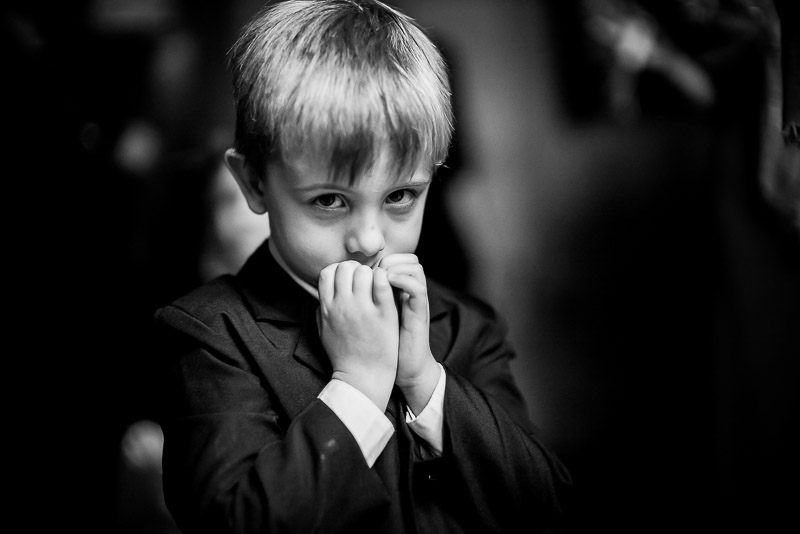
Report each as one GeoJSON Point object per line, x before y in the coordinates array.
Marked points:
{"type": "Point", "coordinates": [417, 372]}
{"type": "Point", "coordinates": [358, 326]}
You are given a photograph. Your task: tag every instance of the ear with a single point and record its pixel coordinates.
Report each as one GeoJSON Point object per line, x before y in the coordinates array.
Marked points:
{"type": "Point", "coordinates": [249, 182]}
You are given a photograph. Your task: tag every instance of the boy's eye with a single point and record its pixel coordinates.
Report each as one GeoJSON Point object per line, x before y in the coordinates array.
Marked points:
{"type": "Point", "coordinates": [329, 201]}
{"type": "Point", "coordinates": [401, 196]}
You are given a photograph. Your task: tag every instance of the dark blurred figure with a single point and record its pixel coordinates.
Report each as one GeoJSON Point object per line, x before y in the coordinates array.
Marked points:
{"type": "Point", "coordinates": [94, 240]}
{"type": "Point", "coordinates": [675, 299]}
{"type": "Point", "coordinates": [59, 265]}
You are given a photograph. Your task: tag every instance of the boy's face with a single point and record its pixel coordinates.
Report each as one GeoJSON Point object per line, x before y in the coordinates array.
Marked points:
{"type": "Point", "coordinates": [316, 221]}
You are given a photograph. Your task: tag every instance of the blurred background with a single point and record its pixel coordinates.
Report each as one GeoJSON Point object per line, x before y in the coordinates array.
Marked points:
{"type": "Point", "coordinates": [624, 187]}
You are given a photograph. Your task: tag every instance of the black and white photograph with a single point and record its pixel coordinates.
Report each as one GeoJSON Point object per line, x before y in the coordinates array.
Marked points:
{"type": "Point", "coordinates": [410, 266]}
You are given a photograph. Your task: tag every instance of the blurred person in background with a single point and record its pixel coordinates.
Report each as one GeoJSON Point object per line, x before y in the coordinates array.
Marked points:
{"type": "Point", "coordinates": [649, 248]}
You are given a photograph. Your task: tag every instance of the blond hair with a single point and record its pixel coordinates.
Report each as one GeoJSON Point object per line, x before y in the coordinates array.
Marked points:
{"type": "Point", "coordinates": [340, 80]}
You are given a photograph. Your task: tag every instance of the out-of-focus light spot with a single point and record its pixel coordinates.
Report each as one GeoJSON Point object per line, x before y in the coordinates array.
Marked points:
{"type": "Point", "coordinates": [134, 15]}
{"type": "Point", "coordinates": [138, 148]}
{"type": "Point", "coordinates": [142, 445]}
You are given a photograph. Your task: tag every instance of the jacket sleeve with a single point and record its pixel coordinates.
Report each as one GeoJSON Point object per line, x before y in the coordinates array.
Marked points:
{"type": "Point", "coordinates": [494, 457]}
{"type": "Point", "coordinates": [231, 461]}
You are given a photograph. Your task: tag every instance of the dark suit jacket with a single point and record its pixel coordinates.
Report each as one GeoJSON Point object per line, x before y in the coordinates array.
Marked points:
{"type": "Point", "coordinates": [250, 448]}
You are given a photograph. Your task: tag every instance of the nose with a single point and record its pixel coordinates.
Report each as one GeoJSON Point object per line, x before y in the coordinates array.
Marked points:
{"type": "Point", "coordinates": [365, 236]}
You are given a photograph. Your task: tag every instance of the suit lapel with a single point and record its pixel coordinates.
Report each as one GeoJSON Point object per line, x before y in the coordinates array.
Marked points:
{"type": "Point", "coordinates": [309, 351]}
{"type": "Point", "coordinates": [294, 368]}
{"type": "Point", "coordinates": [295, 365]}
{"type": "Point", "coordinates": [440, 334]}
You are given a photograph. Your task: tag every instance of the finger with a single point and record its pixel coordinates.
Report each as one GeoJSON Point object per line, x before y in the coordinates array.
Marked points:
{"type": "Point", "coordinates": [413, 270]}
{"type": "Point", "coordinates": [382, 293]}
{"type": "Point", "coordinates": [408, 283]}
{"type": "Point", "coordinates": [396, 259]}
{"type": "Point", "coordinates": [362, 282]}
{"type": "Point", "coordinates": [343, 280]}
{"type": "Point", "coordinates": [325, 284]}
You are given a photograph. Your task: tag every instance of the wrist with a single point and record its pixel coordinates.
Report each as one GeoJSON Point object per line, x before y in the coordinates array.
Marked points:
{"type": "Point", "coordinates": [418, 391]}
{"type": "Point", "coordinates": [376, 388]}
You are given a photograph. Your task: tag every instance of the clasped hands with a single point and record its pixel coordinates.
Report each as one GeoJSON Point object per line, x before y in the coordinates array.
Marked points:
{"type": "Point", "coordinates": [374, 339]}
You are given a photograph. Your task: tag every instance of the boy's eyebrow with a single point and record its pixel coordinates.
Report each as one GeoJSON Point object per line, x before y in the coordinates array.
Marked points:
{"type": "Point", "coordinates": [343, 187]}
{"type": "Point", "coordinates": [412, 183]}
{"type": "Point", "coordinates": [321, 185]}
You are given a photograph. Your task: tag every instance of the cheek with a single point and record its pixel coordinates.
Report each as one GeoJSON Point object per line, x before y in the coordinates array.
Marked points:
{"type": "Point", "coordinates": [311, 250]}
{"type": "Point", "coordinates": [319, 245]}
{"type": "Point", "coordinates": [295, 233]}
{"type": "Point", "coordinates": [403, 237]}
{"type": "Point", "coordinates": [310, 238]}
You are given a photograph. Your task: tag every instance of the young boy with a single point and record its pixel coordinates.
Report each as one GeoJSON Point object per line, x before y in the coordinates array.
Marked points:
{"type": "Point", "coordinates": [329, 386]}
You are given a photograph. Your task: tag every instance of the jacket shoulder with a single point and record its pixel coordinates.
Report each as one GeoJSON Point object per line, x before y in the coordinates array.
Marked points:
{"type": "Point", "coordinates": [446, 300]}
{"type": "Point", "coordinates": [208, 302]}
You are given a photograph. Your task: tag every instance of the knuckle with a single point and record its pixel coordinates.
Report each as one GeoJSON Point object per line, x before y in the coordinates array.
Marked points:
{"type": "Point", "coordinates": [362, 272]}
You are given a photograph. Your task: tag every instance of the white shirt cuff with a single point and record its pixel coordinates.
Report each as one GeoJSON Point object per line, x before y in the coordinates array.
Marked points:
{"type": "Point", "coordinates": [365, 421]}
{"type": "Point", "coordinates": [429, 423]}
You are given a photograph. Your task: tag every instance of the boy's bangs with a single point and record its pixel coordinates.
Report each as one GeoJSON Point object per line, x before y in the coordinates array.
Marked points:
{"type": "Point", "coordinates": [351, 128]}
